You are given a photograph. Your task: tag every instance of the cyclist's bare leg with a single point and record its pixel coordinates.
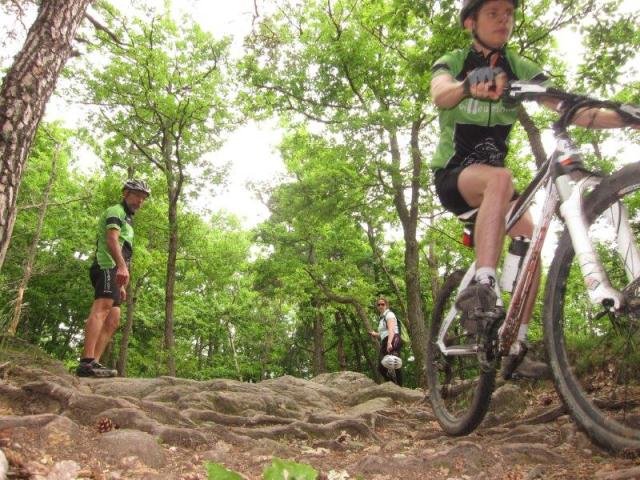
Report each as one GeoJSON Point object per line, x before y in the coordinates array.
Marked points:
{"type": "Point", "coordinates": [489, 189]}
{"type": "Point", "coordinates": [108, 329]}
{"type": "Point", "coordinates": [100, 310]}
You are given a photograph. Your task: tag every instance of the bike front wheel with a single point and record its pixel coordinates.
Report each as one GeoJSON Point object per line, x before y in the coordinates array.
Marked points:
{"type": "Point", "coordinates": [595, 354]}
{"type": "Point", "coordinates": [459, 387]}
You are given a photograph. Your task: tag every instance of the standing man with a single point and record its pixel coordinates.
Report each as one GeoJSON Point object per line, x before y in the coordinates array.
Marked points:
{"type": "Point", "coordinates": [389, 363]}
{"type": "Point", "coordinates": [109, 276]}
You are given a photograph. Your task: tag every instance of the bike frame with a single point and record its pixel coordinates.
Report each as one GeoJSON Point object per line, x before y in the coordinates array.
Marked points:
{"type": "Point", "coordinates": [565, 182]}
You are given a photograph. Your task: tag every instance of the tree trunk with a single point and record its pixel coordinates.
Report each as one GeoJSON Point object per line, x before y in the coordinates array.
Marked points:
{"type": "Point", "coordinates": [380, 264]}
{"type": "Point", "coordinates": [361, 348]}
{"type": "Point", "coordinates": [25, 91]}
{"type": "Point", "coordinates": [197, 350]}
{"type": "Point", "coordinates": [342, 357]}
{"type": "Point", "coordinates": [132, 299]}
{"type": "Point", "coordinates": [169, 338]}
{"type": "Point", "coordinates": [533, 133]}
{"type": "Point", "coordinates": [319, 364]}
{"type": "Point", "coordinates": [27, 267]}
{"type": "Point", "coordinates": [232, 345]}
{"type": "Point", "coordinates": [409, 219]}
{"type": "Point", "coordinates": [211, 348]}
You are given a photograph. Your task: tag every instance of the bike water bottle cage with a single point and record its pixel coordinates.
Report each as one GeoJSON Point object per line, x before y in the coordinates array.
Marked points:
{"type": "Point", "coordinates": [480, 75]}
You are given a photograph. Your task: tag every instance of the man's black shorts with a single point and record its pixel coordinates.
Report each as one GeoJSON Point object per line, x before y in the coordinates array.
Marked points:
{"type": "Point", "coordinates": [104, 283]}
{"type": "Point", "coordinates": [446, 180]}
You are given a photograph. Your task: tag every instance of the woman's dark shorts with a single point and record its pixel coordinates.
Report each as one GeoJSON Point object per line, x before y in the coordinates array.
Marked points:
{"type": "Point", "coordinates": [104, 283]}
{"type": "Point", "coordinates": [394, 376]}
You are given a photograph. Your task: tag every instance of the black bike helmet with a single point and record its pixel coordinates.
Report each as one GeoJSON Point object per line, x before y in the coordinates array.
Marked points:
{"type": "Point", "coordinates": [470, 6]}
{"type": "Point", "coordinates": [136, 186]}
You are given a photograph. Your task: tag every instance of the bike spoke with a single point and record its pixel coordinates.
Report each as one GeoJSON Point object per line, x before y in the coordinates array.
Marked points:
{"type": "Point", "coordinates": [459, 389]}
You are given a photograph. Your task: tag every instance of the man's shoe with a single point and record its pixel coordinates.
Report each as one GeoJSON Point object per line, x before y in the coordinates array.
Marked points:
{"type": "Point", "coordinates": [477, 297]}
{"type": "Point", "coordinates": [94, 369]}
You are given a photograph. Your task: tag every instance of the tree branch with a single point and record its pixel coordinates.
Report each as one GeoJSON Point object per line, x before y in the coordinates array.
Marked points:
{"type": "Point", "coordinates": [56, 204]}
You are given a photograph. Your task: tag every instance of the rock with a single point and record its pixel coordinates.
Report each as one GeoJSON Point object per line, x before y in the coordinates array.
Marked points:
{"type": "Point", "coordinates": [270, 448]}
{"type": "Point", "coordinates": [370, 406]}
{"type": "Point", "coordinates": [464, 453]}
{"type": "Point", "coordinates": [127, 387]}
{"type": "Point", "coordinates": [540, 434]}
{"type": "Point", "coordinates": [387, 389]}
{"type": "Point", "coordinates": [217, 454]}
{"type": "Point", "coordinates": [336, 422]}
{"type": "Point", "coordinates": [519, 453]}
{"type": "Point", "coordinates": [4, 466]}
{"type": "Point", "coordinates": [61, 431]}
{"type": "Point", "coordinates": [65, 470]}
{"type": "Point", "coordinates": [184, 437]}
{"type": "Point", "coordinates": [507, 402]}
{"type": "Point", "coordinates": [624, 474]}
{"type": "Point", "coordinates": [120, 444]}
{"type": "Point", "coordinates": [131, 418]}
{"type": "Point", "coordinates": [539, 472]}
{"type": "Point", "coordinates": [348, 383]}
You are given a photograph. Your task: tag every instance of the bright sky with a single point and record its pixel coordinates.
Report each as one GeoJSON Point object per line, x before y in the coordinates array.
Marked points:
{"type": "Point", "coordinates": [252, 149]}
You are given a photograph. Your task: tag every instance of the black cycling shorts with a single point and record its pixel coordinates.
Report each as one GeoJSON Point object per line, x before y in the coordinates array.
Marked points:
{"type": "Point", "coordinates": [104, 283]}
{"type": "Point", "coordinates": [446, 181]}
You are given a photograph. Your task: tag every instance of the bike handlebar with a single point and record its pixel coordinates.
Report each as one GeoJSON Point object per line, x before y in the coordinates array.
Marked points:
{"type": "Point", "coordinates": [571, 103]}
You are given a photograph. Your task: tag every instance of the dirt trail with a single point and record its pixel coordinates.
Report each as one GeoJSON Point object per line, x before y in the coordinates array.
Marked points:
{"type": "Point", "coordinates": [53, 425]}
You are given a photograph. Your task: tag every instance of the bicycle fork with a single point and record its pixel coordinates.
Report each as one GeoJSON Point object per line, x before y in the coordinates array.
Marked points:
{"type": "Point", "coordinates": [598, 286]}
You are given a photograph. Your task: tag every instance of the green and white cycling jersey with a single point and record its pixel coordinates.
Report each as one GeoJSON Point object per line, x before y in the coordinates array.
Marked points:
{"type": "Point", "coordinates": [476, 131]}
{"type": "Point", "coordinates": [117, 217]}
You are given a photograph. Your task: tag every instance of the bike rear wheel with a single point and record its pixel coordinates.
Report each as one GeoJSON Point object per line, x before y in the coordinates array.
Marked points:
{"type": "Point", "coordinates": [459, 389]}
{"type": "Point", "coordinates": [595, 355]}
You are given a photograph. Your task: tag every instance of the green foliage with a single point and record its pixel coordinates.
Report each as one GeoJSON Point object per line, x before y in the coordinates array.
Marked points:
{"type": "Point", "coordinates": [218, 472]}
{"type": "Point", "coordinates": [286, 469]}
{"type": "Point", "coordinates": [348, 80]}
{"type": "Point", "coordinates": [278, 470]}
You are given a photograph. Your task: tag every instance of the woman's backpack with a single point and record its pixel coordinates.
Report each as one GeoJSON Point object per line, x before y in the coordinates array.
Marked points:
{"type": "Point", "coordinates": [404, 333]}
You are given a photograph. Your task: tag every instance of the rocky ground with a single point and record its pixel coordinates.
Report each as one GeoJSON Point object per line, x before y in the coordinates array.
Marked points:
{"type": "Point", "coordinates": [56, 426]}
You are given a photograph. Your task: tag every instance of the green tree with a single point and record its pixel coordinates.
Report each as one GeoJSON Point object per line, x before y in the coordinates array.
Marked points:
{"type": "Point", "coordinates": [25, 91]}
{"type": "Point", "coordinates": [163, 99]}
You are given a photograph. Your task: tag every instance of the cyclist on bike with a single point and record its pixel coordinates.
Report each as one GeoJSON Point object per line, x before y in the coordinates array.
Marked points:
{"type": "Point", "coordinates": [468, 164]}
{"type": "Point", "coordinates": [109, 276]}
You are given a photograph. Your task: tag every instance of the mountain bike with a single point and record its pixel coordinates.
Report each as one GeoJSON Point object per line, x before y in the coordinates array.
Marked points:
{"type": "Point", "coordinates": [591, 318]}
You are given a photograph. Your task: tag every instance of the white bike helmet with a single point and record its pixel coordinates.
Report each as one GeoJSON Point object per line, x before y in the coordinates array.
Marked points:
{"type": "Point", "coordinates": [391, 362]}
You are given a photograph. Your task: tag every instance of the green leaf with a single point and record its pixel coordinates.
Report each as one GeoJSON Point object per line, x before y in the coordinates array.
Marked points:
{"type": "Point", "coordinates": [287, 470]}
{"type": "Point", "coordinates": [218, 472]}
